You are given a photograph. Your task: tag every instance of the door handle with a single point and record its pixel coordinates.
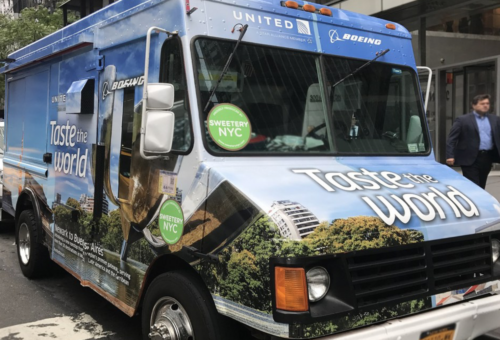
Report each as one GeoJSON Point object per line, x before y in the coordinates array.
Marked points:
{"type": "Point", "coordinates": [47, 158]}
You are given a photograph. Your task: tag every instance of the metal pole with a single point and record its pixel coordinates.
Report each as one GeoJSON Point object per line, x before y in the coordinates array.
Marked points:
{"type": "Point", "coordinates": [83, 8]}
{"type": "Point", "coordinates": [65, 16]}
{"type": "Point", "coordinates": [422, 41]}
{"type": "Point", "coordinates": [496, 95]}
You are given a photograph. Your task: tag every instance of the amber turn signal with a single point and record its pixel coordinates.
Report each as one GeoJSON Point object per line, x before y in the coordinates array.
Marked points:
{"type": "Point", "coordinates": [390, 26]}
{"type": "Point", "coordinates": [309, 8]}
{"type": "Point", "coordinates": [292, 4]}
{"type": "Point", "coordinates": [291, 289]}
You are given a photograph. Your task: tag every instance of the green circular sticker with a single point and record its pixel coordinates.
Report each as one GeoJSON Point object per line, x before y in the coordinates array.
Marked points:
{"type": "Point", "coordinates": [229, 127]}
{"type": "Point", "coordinates": [171, 222]}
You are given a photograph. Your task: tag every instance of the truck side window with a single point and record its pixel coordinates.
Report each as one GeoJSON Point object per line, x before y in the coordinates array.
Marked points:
{"type": "Point", "coordinates": [127, 141]}
{"type": "Point", "coordinates": [172, 72]}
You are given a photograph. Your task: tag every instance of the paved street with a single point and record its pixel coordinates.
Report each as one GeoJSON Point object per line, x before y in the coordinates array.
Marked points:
{"type": "Point", "coordinates": [55, 307]}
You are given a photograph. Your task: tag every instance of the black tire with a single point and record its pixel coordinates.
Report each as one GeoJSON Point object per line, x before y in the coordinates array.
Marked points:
{"type": "Point", "coordinates": [33, 256]}
{"type": "Point", "coordinates": [194, 299]}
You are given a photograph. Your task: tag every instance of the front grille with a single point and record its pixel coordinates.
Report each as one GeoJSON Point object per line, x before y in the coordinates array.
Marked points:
{"type": "Point", "coordinates": [461, 263]}
{"type": "Point", "coordinates": [379, 277]}
{"type": "Point", "coordinates": [387, 275]}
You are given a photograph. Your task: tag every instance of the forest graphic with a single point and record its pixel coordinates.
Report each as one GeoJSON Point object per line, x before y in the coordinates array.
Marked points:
{"type": "Point", "coordinates": [108, 231]}
{"type": "Point", "coordinates": [243, 273]}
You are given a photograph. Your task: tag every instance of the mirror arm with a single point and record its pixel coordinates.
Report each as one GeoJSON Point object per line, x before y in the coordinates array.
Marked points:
{"type": "Point", "coordinates": [145, 91]}
{"type": "Point", "coordinates": [429, 82]}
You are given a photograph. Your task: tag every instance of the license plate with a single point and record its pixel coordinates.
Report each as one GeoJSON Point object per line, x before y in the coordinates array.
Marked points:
{"type": "Point", "coordinates": [441, 333]}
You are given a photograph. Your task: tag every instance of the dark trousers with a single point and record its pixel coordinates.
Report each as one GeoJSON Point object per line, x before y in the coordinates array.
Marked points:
{"type": "Point", "coordinates": [479, 170]}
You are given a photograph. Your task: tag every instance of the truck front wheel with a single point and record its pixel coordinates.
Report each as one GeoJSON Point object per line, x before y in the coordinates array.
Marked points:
{"type": "Point", "coordinates": [33, 256]}
{"type": "Point", "coordinates": [178, 307]}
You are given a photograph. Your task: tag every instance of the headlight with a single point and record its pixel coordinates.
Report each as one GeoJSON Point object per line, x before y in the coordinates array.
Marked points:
{"type": "Point", "coordinates": [495, 249]}
{"type": "Point", "coordinates": [318, 282]}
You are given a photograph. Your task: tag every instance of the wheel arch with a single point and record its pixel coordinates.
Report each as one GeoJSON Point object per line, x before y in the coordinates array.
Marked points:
{"type": "Point", "coordinates": [27, 200]}
{"type": "Point", "coordinates": [164, 264]}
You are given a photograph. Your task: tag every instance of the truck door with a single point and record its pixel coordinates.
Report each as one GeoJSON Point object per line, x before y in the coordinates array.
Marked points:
{"type": "Point", "coordinates": [72, 138]}
{"type": "Point", "coordinates": [111, 174]}
{"type": "Point", "coordinates": [27, 108]}
{"type": "Point", "coordinates": [123, 243]}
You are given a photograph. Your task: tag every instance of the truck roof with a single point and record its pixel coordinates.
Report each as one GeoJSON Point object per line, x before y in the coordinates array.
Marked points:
{"type": "Point", "coordinates": [78, 34]}
{"type": "Point", "coordinates": [85, 31]}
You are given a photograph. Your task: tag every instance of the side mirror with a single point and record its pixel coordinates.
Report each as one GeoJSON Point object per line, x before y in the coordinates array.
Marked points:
{"type": "Point", "coordinates": [159, 131]}
{"type": "Point", "coordinates": [157, 121]}
{"type": "Point", "coordinates": [160, 97]}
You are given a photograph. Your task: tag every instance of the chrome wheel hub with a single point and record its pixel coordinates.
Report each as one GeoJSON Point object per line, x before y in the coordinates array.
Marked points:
{"type": "Point", "coordinates": [169, 321]}
{"type": "Point", "coordinates": [24, 243]}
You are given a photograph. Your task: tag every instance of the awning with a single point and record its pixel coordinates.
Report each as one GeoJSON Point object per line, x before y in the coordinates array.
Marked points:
{"type": "Point", "coordinates": [80, 97]}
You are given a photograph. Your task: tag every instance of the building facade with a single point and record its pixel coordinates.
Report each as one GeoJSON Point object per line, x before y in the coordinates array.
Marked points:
{"type": "Point", "coordinates": [87, 204]}
{"type": "Point", "coordinates": [459, 40]}
{"type": "Point", "coordinates": [6, 6]}
{"type": "Point", "coordinates": [294, 221]}
{"type": "Point", "coordinates": [368, 7]}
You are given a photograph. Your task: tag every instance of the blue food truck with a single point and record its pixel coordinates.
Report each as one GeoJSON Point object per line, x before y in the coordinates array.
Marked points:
{"type": "Point", "coordinates": [257, 167]}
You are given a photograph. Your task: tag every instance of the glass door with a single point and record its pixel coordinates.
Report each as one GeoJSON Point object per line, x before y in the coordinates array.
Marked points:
{"type": "Point", "coordinates": [458, 86]}
{"type": "Point", "coordinates": [479, 79]}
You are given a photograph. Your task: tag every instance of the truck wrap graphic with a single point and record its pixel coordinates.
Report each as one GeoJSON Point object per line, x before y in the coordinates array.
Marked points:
{"type": "Point", "coordinates": [280, 141]}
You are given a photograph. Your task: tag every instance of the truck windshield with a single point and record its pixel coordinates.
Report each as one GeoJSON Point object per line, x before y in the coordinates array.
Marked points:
{"type": "Point", "coordinates": [292, 107]}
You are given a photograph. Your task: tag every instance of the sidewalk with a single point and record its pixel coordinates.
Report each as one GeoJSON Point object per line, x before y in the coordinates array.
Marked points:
{"type": "Point", "coordinates": [493, 183]}
{"type": "Point", "coordinates": [493, 173]}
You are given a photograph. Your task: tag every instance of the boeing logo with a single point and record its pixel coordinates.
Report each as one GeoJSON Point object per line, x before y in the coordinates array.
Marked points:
{"type": "Point", "coordinates": [121, 84]}
{"type": "Point", "coordinates": [334, 36]}
{"type": "Point", "coordinates": [105, 90]}
{"type": "Point", "coordinates": [361, 39]}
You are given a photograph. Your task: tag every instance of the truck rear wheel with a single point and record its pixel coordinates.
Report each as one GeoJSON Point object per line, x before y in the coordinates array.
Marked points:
{"type": "Point", "coordinates": [178, 307]}
{"type": "Point", "coordinates": [32, 255]}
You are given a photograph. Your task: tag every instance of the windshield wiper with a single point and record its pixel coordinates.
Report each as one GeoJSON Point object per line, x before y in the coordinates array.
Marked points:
{"type": "Point", "coordinates": [378, 55]}
{"type": "Point", "coordinates": [242, 30]}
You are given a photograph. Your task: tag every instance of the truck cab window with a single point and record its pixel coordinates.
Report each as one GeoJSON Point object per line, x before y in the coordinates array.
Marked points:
{"type": "Point", "coordinates": [296, 106]}
{"type": "Point", "coordinates": [279, 90]}
{"type": "Point", "coordinates": [172, 72]}
{"type": "Point", "coordinates": [377, 110]}
{"type": "Point", "coordinates": [127, 141]}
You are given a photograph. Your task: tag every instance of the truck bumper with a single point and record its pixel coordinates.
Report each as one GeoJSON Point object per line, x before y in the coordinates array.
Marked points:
{"type": "Point", "coordinates": [471, 319]}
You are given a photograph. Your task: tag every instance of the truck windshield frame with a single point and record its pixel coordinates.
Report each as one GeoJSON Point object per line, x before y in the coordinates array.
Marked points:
{"type": "Point", "coordinates": [287, 96]}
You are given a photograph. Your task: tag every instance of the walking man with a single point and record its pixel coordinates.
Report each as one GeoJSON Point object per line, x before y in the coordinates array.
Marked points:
{"type": "Point", "coordinates": [473, 140]}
